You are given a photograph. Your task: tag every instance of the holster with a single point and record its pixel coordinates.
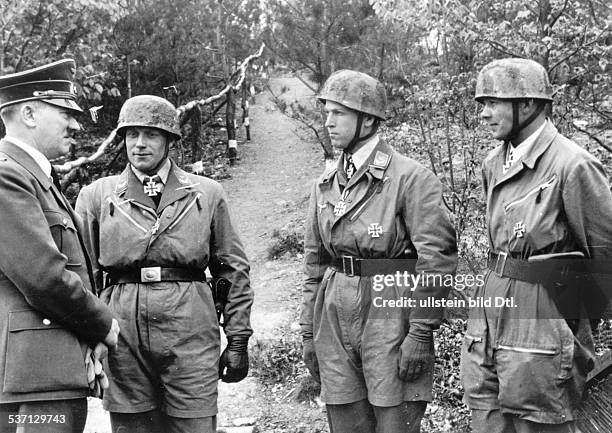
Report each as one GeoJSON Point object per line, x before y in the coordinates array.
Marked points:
{"type": "Point", "coordinates": [220, 288]}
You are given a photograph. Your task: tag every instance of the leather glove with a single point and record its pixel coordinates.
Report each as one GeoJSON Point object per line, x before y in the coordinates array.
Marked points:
{"type": "Point", "coordinates": [234, 361]}
{"type": "Point", "coordinates": [416, 353]}
{"type": "Point", "coordinates": [96, 377]}
{"type": "Point", "coordinates": [310, 358]}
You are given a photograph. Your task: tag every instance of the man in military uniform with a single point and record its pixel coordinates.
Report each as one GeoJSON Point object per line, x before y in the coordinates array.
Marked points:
{"type": "Point", "coordinates": [377, 213]}
{"type": "Point", "coordinates": [548, 217]}
{"type": "Point", "coordinates": [49, 313]}
{"type": "Point", "coordinates": [154, 230]}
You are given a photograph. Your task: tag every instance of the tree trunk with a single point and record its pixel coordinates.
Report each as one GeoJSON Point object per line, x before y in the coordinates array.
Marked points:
{"type": "Point", "coordinates": [328, 149]}
{"type": "Point", "coordinates": [381, 65]}
{"type": "Point", "coordinates": [230, 124]}
{"type": "Point", "coordinates": [245, 109]}
{"type": "Point", "coordinates": [196, 124]}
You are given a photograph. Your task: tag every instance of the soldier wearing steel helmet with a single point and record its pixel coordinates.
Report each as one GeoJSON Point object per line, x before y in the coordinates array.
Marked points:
{"type": "Point", "coordinates": [154, 230]}
{"type": "Point", "coordinates": [377, 213]}
{"type": "Point", "coordinates": [548, 215]}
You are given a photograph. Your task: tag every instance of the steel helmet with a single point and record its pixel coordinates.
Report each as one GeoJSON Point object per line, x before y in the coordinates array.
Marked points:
{"type": "Point", "coordinates": [357, 91]}
{"type": "Point", "coordinates": [150, 111]}
{"type": "Point", "coordinates": [513, 79]}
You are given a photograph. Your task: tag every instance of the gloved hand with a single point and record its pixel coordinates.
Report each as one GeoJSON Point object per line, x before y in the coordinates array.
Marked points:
{"type": "Point", "coordinates": [416, 353]}
{"type": "Point", "coordinates": [96, 377]}
{"type": "Point", "coordinates": [234, 361]}
{"type": "Point", "coordinates": [112, 337]}
{"type": "Point", "coordinates": [310, 358]}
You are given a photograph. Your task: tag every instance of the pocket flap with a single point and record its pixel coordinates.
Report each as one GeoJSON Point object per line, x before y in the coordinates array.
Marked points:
{"type": "Point", "coordinates": [30, 319]}
{"type": "Point", "coordinates": [55, 218]}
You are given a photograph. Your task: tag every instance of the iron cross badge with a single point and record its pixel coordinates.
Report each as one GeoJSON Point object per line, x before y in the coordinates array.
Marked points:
{"type": "Point", "coordinates": [340, 208]}
{"type": "Point", "coordinates": [519, 229]}
{"type": "Point", "coordinates": [375, 230]}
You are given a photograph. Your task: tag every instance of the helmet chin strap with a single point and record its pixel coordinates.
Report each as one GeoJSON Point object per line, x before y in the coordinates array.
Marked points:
{"type": "Point", "coordinates": [356, 138]}
{"type": "Point", "coordinates": [518, 127]}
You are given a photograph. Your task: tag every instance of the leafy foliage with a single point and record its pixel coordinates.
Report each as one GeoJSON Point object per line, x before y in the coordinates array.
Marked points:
{"type": "Point", "coordinates": [274, 361]}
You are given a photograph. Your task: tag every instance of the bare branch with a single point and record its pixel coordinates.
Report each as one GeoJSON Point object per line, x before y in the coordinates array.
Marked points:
{"type": "Point", "coordinates": [304, 82]}
{"type": "Point", "coordinates": [559, 15]}
{"type": "Point", "coordinates": [576, 51]}
{"type": "Point", "coordinates": [66, 167]}
{"type": "Point", "coordinates": [502, 49]}
{"type": "Point", "coordinates": [241, 68]}
{"type": "Point", "coordinates": [599, 141]}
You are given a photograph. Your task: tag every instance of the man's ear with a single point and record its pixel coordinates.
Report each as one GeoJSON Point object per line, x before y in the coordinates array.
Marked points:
{"type": "Point", "coordinates": [27, 112]}
{"type": "Point", "coordinates": [528, 106]}
{"type": "Point", "coordinates": [368, 121]}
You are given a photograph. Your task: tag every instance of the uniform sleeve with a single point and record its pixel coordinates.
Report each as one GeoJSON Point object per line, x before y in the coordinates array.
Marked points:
{"type": "Point", "coordinates": [35, 265]}
{"type": "Point", "coordinates": [316, 261]}
{"type": "Point", "coordinates": [433, 237]}
{"type": "Point", "coordinates": [88, 209]}
{"type": "Point", "coordinates": [588, 205]}
{"type": "Point", "coordinates": [228, 260]}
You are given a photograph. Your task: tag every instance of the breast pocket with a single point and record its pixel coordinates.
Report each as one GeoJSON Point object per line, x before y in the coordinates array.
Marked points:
{"type": "Point", "coordinates": [41, 355]}
{"type": "Point", "coordinates": [65, 236]}
{"type": "Point", "coordinates": [533, 218]}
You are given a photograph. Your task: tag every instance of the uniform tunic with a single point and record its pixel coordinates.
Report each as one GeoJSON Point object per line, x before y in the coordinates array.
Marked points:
{"type": "Point", "coordinates": [48, 311]}
{"type": "Point", "coordinates": [168, 349]}
{"type": "Point", "coordinates": [526, 360]}
{"type": "Point", "coordinates": [393, 210]}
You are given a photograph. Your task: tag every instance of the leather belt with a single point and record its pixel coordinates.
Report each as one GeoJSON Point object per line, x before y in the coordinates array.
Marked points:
{"type": "Point", "coordinates": [354, 266]}
{"type": "Point", "coordinates": [534, 272]}
{"type": "Point", "coordinates": [155, 274]}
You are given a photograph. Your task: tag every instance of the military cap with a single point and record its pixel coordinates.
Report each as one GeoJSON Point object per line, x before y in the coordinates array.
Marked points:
{"type": "Point", "coordinates": [50, 83]}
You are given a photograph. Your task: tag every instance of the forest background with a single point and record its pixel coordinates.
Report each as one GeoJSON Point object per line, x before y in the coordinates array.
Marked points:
{"type": "Point", "coordinates": [426, 52]}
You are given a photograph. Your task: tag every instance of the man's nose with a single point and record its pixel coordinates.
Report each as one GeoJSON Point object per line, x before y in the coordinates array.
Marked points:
{"type": "Point", "coordinates": [485, 113]}
{"type": "Point", "coordinates": [329, 121]}
{"type": "Point", "coordinates": [74, 124]}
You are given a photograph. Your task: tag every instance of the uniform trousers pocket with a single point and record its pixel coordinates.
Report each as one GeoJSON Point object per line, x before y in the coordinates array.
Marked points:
{"type": "Point", "coordinates": [533, 379]}
{"type": "Point", "coordinates": [41, 355]}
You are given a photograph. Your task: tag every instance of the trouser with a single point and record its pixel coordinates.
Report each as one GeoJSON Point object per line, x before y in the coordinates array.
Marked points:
{"type": "Point", "coordinates": [363, 417]}
{"type": "Point", "coordinates": [493, 421]}
{"type": "Point", "coordinates": [52, 416]}
{"type": "Point", "coordinates": [156, 421]}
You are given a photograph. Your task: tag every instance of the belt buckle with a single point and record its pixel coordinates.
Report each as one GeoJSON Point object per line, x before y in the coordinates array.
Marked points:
{"type": "Point", "coordinates": [500, 264]}
{"type": "Point", "coordinates": [350, 270]}
{"type": "Point", "coordinates": [150, 275]}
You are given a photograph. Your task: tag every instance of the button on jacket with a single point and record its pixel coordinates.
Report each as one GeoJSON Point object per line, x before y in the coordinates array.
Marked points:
{"type": "Point", "coordinates": [173, 322]}
{"type": "Point", "coordinates": [393, 209]}
{"type": "Point", "coordinates": [527, 360]}
{"type": "Point", "coordinates": [48, 310]}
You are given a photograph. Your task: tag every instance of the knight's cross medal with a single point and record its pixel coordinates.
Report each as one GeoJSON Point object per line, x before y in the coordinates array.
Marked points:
{"type": "Point", "coordinates": [151, 187]}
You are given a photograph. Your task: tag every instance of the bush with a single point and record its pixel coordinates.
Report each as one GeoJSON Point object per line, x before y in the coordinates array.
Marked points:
{"type": "Point", "coordinates": [286, 241]}
{"type": "Point", "coordinates": [277, 360]}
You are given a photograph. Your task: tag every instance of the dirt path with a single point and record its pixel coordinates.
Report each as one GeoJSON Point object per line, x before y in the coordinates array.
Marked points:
{"type": "Point", "coordinates": [269, 189]}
